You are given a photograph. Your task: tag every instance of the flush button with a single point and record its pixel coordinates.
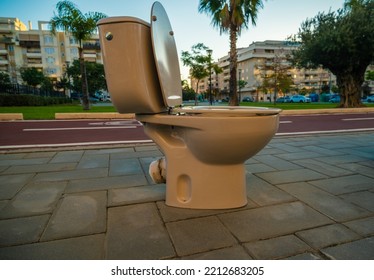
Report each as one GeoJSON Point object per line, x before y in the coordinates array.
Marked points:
{"type": "Point", "coordinates": [109, 36]}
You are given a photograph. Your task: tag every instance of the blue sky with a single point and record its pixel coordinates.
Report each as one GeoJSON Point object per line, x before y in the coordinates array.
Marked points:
{"type": "Point", "coordinates": [277, 20]}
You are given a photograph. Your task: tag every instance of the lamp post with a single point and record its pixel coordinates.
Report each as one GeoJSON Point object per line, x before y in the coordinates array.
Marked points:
{"type": "Point", "coordinates": [239, 84]}
{"type": "Point", "coordinates": [210, 75]}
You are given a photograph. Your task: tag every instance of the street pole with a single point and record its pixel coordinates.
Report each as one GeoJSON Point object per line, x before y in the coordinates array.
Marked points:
{"type": "Point", "coordinates": [239, 84]}
{"type": "Point", "coordinates": [210, 76]}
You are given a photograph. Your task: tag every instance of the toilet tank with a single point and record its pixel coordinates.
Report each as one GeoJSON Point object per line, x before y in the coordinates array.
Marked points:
{"type": "Point", "coordinates": [129, 65]}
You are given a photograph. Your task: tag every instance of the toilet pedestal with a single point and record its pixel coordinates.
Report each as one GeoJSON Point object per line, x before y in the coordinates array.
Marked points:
{"type": "Point", "coordinates": [201, 189]}
{"type": "Point", "coordinates": [191, 183]}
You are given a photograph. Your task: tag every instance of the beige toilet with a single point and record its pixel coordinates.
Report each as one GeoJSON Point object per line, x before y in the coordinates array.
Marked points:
{"type": "Point", "coordinates": [205, 147]}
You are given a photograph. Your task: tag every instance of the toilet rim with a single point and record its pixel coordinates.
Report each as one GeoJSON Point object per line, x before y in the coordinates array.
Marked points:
{"type": "Point", "coordinates": [239, 111]}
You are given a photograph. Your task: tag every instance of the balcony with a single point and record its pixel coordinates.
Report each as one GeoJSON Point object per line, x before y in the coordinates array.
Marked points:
{"type": "Point", "coordinates": [91, 46]}
{"type": "Point", "coordinates": [34, 54]}
{"type": "Point", "coordinates": [89, 55]}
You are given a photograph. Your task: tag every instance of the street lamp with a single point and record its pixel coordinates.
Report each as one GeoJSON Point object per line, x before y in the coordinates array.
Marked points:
{"type": "Point", "coordinates": [210, 75]}
{"type": "Point", "coordinates": [240, 85]}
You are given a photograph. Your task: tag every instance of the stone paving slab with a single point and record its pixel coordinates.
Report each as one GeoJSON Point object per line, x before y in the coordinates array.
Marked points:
{"type": "Point", "coordinates": [137, 232]}
{"type": "Point", "coordinates": [309, 197]}
{"type": "Point", "coordinates": [358, 250]}
{"type": "Point", "coordinates": [345, 184]}
{"type": "Point", "coordinates": [77, 215]}
{"type": "Point", "coordinates": [11, 184]}
{"type": "Point", "coordinates": [327, 235]}
{"type": "Point", "coordinates": [324, 202]}
{"type": "Point", "coordinates": [198, 235]}
{"type": "Point", "coordinates": [275, 248]}
{"type": "Point", "coordinates": [89, 247]}
{"type": "Point", "coordinates": [22, 230]}
{"type": "Point", "coordinates": [272, 221]}
{"type": "Point", "coordinates": [34, 199]}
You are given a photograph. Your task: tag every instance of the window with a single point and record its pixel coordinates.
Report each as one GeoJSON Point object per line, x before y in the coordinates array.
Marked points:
{"type": "Point", "coordinates": [50, 71]}
{"type": "Point", "coordinates": [49, 50]}
{"type": "Point", "coordinates": [73, 41]}
{"type": "Point", "coordinates": [51, 60]}
{"type": "Point", "coordinates": [74, 51]}
{"type": "Point", "coordinates": [48, 39]}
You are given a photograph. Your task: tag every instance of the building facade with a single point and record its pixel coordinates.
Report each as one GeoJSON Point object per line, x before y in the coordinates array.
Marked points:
{"type": "Point", "coordinates": [23, 46]}
{"type": "Point", "coordinates": [265, 59]}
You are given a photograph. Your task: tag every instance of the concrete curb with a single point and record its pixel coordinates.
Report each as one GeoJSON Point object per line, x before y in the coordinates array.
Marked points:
{"type": "Point", "coordinates": [364, 110]}
{"type": "Point", "coordinates": [68, 116]}
{"type": "Point", "coordinates": [11, 116]}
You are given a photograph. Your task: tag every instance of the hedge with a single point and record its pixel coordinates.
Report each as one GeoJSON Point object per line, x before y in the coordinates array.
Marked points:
{"type": "Point", "coordinates": [31, 100]}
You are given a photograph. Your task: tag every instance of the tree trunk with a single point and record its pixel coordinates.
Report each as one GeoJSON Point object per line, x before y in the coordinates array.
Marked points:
{"type": "Point", "coordinates": [85, 100]}
{"type": "Point", "coordinates": [233, 65]}
{"type": "Point", "coordinates": [350, 90]}
{"type": "Point", "coordinates": [196, 93]}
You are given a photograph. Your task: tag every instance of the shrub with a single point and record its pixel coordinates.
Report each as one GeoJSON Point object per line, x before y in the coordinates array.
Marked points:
{"type": "Point", "coordinates": [31, 100]}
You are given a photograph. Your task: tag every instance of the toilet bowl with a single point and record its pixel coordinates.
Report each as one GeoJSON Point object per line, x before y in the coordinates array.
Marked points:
{"type": "Point", "coordinates": [205, 147]}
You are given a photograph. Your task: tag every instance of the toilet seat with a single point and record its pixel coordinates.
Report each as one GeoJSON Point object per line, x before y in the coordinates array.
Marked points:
{"type": "Point", "coordinates": [166, 56]}
{"type": "Point", "coordinates": [227, 111]}
{"type": "Point", "coordinates": [167, 65]}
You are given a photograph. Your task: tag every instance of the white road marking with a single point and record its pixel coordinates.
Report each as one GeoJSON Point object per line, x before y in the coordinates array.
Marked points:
{"type": "Point", "coordinates": [75, 144]}
{"type": "Point", "coordinates": [77, 128]}
{"type": "Point", "coordinates": [285, 121]}
{"type": "Point", "coordinates": [323, 131]}
{"type": "Point", "coordinates": [358, 119]}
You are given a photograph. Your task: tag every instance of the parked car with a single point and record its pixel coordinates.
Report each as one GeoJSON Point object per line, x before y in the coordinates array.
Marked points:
{"type": "Point", "coordinates": [283, 99]}
{"type": "Point", "coordinates": [247, 99]}
{"type": "Point", "coordinates": [299, 99]}
{"type": "Point", "coordinates": [369, 98]}
{"type": "Point", "coordinates": [335, 99]}
{"type": "Point", "coordinates": [314, 97]}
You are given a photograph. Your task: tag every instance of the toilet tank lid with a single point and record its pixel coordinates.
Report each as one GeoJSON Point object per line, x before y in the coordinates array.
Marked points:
{"type": "Point", "coordinates": [121, 19]}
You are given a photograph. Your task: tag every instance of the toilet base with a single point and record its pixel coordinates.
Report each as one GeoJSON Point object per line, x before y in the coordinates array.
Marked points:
{"type": "Point", "coordinates": [203, 186]}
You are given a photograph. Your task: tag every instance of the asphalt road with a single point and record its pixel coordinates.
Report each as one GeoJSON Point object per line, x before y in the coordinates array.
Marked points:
{"type": "Point", "coordinates": [29, 134]}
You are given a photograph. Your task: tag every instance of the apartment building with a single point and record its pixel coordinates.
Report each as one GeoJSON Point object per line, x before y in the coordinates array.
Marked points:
{"type": "Point", "coordinates": [23, 46]}
{"type": "Point", "coordinates": [258, 60]}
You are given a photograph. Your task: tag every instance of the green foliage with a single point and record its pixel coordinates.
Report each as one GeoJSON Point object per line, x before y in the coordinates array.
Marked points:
{"type": "Point", "coordinates": [30, 100]}
{"type": "Point", "coordinates": [343, 42]}
{"type": "Point", "coordinates": [32, 76]}
{"type": "Point", "coordinates": [95, 76]}
{"type": "Point", "coordinates": [232, 16]}
{"type": "Point", "coordinates": [5, 83]}
{"type": "Point", "coordinates": [369, 75]}
{"type": "Point", "coordinates": [200, 62]}
{"type": "Point", "coordinates": [81, 26]}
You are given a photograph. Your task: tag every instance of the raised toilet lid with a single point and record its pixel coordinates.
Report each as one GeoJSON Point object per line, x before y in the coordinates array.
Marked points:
{"type": "Point", "coordinates": [166, 56]}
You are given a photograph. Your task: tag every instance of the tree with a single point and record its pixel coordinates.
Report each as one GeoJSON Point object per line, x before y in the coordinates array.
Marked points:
{"type": "Point", "coordinates": [199, 61]}
{"type": "Point", "coordinates": [95, 76]}
{"type": "Point", "coordinates": [369, 75]}
{"type": "Point", "coordinates": [343, 42]}
{"type": "Point", "coordinates": [232, 16]}
{"type": "Point", "coordinates": [81, 26]}
{"type": "Point", "coordinates": [5, 83]}
{"type": "Point", "coordinates": [32, 76]}
{"type": "Point", "coordinates": [274, 73]}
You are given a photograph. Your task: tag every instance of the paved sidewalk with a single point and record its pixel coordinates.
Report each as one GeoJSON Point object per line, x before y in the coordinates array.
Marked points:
{"type": "Point", "coordinates": [310, 197]}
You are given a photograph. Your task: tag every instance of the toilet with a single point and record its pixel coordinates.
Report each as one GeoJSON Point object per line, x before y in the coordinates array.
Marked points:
{"type": "Point", "coordinates": [205, 146]}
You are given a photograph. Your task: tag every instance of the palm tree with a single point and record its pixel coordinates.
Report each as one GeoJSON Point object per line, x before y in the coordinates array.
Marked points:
{"type": "Point", "coordinates": [81, 26]}
{"type": "Point", "coordinates": [231, 16]}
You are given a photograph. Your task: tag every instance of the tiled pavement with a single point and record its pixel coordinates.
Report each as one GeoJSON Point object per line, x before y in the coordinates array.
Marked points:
{"type": "Point", "coordinates": [310, 197]}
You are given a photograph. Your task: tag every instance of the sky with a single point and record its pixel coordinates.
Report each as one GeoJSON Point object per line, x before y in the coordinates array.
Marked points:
{"type": "Point", "coordinates": [276, 21]}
